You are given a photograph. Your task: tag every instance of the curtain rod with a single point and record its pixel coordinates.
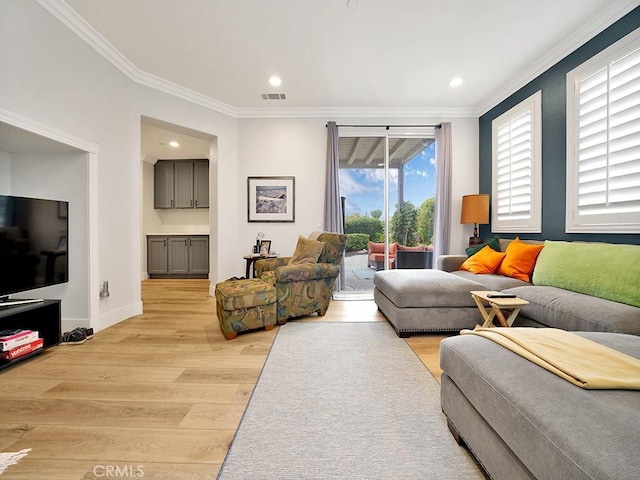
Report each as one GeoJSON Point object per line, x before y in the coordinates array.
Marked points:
{"type": "Point", "coordinates": [392, 126]}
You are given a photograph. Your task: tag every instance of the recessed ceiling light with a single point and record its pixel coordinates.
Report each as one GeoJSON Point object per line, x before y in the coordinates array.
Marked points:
{"type": "Point", "coordinates": [456, 82]}
{"type": "Point", "coordinates": [174, 144]}
{"type": "Point", "coordinates": [275, 81]}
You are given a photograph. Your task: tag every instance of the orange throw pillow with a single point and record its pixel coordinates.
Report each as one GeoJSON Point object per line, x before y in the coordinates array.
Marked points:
{"type": "Point", "coordinates": [484, 261]}
{"type": "Point", "coordinates": [520, 260]}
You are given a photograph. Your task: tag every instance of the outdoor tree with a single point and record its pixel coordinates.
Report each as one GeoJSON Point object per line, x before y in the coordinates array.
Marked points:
{"type": "Point", "coordinates": [377, 213]}
{"type": "Point", "coordinates": [426, 220]}
{"type": "Point", "coordinates": [404, 224]}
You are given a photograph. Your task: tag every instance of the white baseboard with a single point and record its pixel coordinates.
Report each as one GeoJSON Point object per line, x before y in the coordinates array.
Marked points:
{"type": "Point", "coordinates": [69, 324]}
{"type": "Point", "coordinates": [118, 315]}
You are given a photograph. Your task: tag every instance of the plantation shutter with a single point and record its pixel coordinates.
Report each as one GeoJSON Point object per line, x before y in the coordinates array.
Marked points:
{"type": "Point", "coordinates": [603, 141]}
{"type": "Point", "coordinates": [609, 139]}
{"type": "Point", "coordinates": [516, 168]}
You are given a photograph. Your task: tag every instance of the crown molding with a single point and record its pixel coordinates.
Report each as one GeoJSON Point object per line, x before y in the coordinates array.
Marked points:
{"type": "Point", "coordinates": [355, 112]}
{"type": "Point", "coordinates": [613, 13]}
{"type": "Point", "coordinates": [78, 25]}
{"type": "Point", "coordinates": [16, 120]}
{"type": "Point", "coordinates": [165, 86]}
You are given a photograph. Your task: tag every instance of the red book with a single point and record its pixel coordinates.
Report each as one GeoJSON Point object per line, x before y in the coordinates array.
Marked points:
{"type": "Point", "coordinates": [22, 350]}
{"type": "Point", "coordinates": [15, 340]}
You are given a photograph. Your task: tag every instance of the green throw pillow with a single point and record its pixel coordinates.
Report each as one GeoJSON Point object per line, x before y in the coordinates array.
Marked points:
{"type": "Point", "coordinates": [492, 242]}
{"type": "Point", "coordinates": [604, 270]}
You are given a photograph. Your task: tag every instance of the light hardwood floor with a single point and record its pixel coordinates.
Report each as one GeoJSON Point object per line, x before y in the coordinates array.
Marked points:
{"type": "Point", "coordinates": [157, 396]}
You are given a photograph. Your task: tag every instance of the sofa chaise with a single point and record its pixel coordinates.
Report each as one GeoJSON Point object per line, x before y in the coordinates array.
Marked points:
{"type": "Point", "coordinates": [577, 286]}
{"type": "Point", "coordinates": [521, 421]}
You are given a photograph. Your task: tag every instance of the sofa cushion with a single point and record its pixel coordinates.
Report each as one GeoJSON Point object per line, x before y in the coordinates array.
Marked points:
{"type": "Point", "coordinates": [425, 288]}
{"type": "Point", "coordinates": [378, 247]}
{"type": "Point", "coordinates": [307, 251]}
{"type": "Point", "coordinates": [519, 260]}
{"type": "Point", "coordinates": [602, 270]}
{"type": "Point", "coordinates": [486, 260]}
{"type": "Point", "coordinates": [559, 308]}
{"type": "Point", "coordinates": [494, 243]}
{"type": "Point", "coordinates": [491, 281]}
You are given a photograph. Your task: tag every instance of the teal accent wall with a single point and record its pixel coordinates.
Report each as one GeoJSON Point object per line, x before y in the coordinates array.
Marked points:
{"type": "Point", "coordinates": [554, 102]}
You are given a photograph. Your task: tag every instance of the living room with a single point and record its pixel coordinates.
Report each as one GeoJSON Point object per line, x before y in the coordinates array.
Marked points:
{"type": "Point", "coordinates": [58, 85]}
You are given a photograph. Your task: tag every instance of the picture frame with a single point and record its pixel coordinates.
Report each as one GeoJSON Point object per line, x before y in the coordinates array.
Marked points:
{"type": "Point", "coordinates": [265, 247]}
{"type": "Point", "coordinates": [271, 199]}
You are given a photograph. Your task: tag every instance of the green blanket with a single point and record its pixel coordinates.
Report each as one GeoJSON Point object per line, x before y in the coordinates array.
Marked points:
{"type": "Point", "coordinates": [605, 270]}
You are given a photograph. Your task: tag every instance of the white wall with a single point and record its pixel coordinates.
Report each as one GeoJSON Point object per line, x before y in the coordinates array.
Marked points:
{"type": "Point", "coordinates": [282, 147]}
{"type": "Point", "coordinates": [5, 173]}
{"type": "Point", "coordinates": [57, 80]}
{"type": "Point", "coordinates": [298, 147]}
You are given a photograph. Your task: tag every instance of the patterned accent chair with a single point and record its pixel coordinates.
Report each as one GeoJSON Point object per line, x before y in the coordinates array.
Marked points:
{"type": "Point", "coordinates": [303, 289]}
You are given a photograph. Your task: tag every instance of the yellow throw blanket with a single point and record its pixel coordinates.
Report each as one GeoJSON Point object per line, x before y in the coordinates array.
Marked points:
{"type": "Point", "coordinates": [583, 362]}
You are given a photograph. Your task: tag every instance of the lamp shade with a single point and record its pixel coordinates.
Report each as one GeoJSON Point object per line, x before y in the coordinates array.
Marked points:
{"type": "Point", "coordinates": [475, 209]}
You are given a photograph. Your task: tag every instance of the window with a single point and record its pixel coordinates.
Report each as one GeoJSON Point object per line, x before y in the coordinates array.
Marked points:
{"type": "Point", "coordinates": [603, 141]}
{"type": "Point", "coordinates": [516, 171]}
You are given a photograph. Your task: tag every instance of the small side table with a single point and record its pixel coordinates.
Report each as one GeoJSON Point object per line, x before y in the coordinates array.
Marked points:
{"type": "Point", "coordinates": [497, 305]}
{"type": "Point", "coordinates": [251, 258]}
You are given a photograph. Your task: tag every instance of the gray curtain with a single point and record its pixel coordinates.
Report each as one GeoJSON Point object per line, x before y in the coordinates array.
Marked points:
{"type": "Point", "coordinates": [442, 215]}
{"type": "Point", "coordinates": [332, 201]}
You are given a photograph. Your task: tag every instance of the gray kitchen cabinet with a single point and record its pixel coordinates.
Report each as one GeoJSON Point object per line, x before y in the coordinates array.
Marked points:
{"type": "Point", "coordinates": [178, 259]}
{"type": "Point", "coordinates": [201, 183]}
{"type": "Point", "coordinates": [157, 260]}
{"type": "Point", "coordinates": [199, 255]}
{"type": "Point", "coordinates": [178, 256]}
{"type": "Point", "coordinates": [181, 184]}
{"type": "Point", "coordinates": [163, 184]}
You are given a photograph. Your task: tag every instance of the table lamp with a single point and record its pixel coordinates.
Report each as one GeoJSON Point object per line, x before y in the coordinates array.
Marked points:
{"type": "Point", "coordinates": [475, 209]}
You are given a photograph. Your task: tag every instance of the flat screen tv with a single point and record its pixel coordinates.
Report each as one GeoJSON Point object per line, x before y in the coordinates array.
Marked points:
{"type": "Point", "coordinates": [33, 243]}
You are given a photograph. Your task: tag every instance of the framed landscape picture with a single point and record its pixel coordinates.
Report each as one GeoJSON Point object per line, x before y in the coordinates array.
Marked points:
{"type": "Point", "coordinates": [271, 199]}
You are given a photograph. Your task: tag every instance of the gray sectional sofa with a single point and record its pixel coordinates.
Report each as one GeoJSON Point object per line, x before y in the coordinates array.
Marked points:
{"type": "Point", "coordinates": [523, 422]}
{"type": "Point", "coordinates": [575, 286]}
{"type": "Point", "coordinates": [519, 420]}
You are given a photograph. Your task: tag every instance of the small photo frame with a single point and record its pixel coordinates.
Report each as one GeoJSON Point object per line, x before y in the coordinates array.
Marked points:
{"type": "Point", "coordinates": [265, 247]}
{"type": "Point", "coordinates": [271, 199]}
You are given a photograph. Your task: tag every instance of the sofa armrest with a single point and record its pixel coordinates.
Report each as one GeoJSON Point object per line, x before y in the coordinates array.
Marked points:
{"type": "Point", "coordinates": [306, 271]}
{"type": "Point", "coordinates": [450, 263]}
{"type": "Point", "coordinates": [269, 264]}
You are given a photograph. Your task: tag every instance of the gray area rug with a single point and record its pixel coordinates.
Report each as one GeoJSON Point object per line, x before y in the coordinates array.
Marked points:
{"type": "Point", "coordinates": [345, 401]}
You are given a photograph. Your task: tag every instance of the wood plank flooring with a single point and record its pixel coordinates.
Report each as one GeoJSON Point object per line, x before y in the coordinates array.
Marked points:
{"type": "Point", "coordinates": [157, 396]}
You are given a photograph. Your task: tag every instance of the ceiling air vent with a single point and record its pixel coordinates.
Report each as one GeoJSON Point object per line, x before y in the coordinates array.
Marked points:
{"type": "Point", "coordinates": [274, 96]}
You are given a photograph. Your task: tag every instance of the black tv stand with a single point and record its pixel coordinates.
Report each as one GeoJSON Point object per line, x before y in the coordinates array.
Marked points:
{"type": "Point", "coordinates": [8, 302]}
{"type": "Point", "coordinates": [41, 315]}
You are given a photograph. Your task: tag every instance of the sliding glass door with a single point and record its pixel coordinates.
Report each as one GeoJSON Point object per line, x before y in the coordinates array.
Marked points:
{"type": "Point", "coordinates": [387, 182]}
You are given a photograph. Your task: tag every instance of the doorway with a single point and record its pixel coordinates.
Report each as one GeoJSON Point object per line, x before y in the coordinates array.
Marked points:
{"type": "Point", "coordinates": [156, 139]}
{"type": "Point", "coordinates": [387, 181]}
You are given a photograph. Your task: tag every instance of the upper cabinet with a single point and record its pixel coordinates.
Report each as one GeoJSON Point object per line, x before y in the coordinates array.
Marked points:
{"type": "Point", "coordinates": [181, 184]}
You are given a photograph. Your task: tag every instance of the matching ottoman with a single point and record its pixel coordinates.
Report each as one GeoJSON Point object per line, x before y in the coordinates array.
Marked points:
{"type": "Point", "coordinates": [245, 304]}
